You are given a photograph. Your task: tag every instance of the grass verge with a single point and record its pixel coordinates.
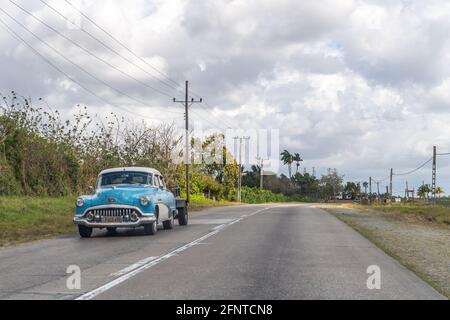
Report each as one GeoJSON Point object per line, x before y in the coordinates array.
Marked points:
{"type": "Point", "coordinates": [24, 219]}
{"type": "Point", "coordinates": [438, 214]}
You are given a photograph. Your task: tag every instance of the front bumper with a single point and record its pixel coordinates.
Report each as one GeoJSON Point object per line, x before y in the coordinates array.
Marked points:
{"type": "Point", "coordinates": [143, 219]}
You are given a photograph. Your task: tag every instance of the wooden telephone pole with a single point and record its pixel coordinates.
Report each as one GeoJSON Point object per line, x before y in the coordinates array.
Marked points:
{"type": "Point", "coordinates": [187, 103]}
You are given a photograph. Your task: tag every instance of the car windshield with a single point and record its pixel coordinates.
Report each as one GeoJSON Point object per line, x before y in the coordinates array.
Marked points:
{"type": "Point", "coordinates": [130, 178]}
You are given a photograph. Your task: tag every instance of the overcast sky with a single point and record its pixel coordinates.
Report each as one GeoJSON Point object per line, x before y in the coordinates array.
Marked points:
{"type": "Point", "coordinates": [361, 86]}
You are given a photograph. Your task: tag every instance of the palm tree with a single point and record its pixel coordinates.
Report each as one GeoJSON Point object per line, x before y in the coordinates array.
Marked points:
{"type": "Point", "coordinates": [365, 185]}
{"type": "Point", "coordinates": [287, 159]}
{"type": "Point", "coordinates": [297, 159]}
{"type": "Point", "coordinates": [439, 191]}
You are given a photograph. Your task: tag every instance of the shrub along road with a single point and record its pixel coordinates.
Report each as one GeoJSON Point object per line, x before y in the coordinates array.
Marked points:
{"type": "Point", "coordinates": [239, 252]}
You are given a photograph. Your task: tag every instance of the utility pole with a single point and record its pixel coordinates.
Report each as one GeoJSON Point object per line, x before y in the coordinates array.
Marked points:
{"type": "Point", "coordinates": [240, 166]}
{"type": "Point", "coordinates": [378, 189]}
{"type": "Point", "coordinates": [370, 186]}
{"type": "Point", "coordinates": [187, 103]}
{"type": "Point", "coordinates": [433, 176]}
{"type": "Point", "coordinates": [261, 174]}
{"type": "Point", "coordinates": [390, 182]}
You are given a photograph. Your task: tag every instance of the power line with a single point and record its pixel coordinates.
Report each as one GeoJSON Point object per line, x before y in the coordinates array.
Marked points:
{"type": "Point", "coordinates": [206, 120]}
{"type": "Point", "coordinates": [105, 45]}
{"type": "Point", "coordinates": [141, 59]}
{"type": "Point", "coordinates": [412, 171]}
{"type": "Point", "coordinates": [20, 39]}
{"type": "Point", "coordinates": [121, 44]}
{"type": "Point", "coordinates": [90, 53]}
{"type": "Point", "coordinates": [217, 116]}
{"type": "Point", "coordinates": [77, 65]}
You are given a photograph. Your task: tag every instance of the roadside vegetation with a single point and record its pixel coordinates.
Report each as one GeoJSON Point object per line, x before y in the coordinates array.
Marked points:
{"type": "Point", "coordinates": [46, 154]}
{"type": "Point", "coordinates": [24, 219]}
{"type": "Point", "coordinates": [425, 212]}
{"type": "Point", "coordinates": [47, 159]}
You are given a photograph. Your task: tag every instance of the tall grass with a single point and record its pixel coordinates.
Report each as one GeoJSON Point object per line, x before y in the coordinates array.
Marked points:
{"type": "Point", "coordinates": [437, 213]}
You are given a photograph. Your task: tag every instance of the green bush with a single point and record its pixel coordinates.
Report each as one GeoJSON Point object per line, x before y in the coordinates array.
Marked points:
{"type": "Point", "coordinates": [8, 182]}
{"type": "Point", "coordinates": [255, 195]}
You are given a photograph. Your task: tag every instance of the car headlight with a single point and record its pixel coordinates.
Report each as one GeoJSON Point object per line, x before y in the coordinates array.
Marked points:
{"type": "Point", "coordinates": [80, 202]}
{"type": "Point", "coordinates": [145, 201]}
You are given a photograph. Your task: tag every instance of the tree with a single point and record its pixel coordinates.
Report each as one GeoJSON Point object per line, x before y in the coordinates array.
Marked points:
{"type": "Point", "coordinates": [439, 191]}
{"type": "Point", "coordinates": [297, 159]}
{"type": "Point", "coordinates": [424, 191]}
{"type": "Point", "coordinates": [352, 189]}
{"type": "Point", "coordinates": [251, 178]}
{"type": "Point", "coordinates": [331, 184]}
{"type": "Point", "coordinates": [365, 185]}
{"type": "Point", "coordinates": [287, 159]}
{"type": "Point", "coordinates": [307, 184]}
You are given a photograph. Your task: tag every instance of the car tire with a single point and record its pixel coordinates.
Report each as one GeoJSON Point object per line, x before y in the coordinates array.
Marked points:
{"type": "Point", "coordinates": [183, 216]}
{"type": "Point", "coordinates": [168, 224]}
{"type": "Point", "coordinates": [85, 232]}
{"type": "Point", "coordinates": [111, 229]}
{"type": "Point", "coordinates": [150, 229]}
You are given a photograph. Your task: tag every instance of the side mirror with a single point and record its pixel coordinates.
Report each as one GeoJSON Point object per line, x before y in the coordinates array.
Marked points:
{"type": "Point", "coordinates": [161, 187]}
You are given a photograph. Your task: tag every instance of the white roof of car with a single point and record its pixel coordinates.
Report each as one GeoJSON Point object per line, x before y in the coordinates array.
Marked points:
{"type": "Point", "coordinates": [133, 169]}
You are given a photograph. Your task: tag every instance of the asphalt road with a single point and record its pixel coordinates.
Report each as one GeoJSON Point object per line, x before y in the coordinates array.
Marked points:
{"type": "Point", "coordinates": [243, 252]}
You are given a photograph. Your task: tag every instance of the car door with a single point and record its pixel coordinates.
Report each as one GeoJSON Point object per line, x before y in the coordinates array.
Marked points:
{"type": "Point", "coordinates": [168, 196]}
{"type": "Point", "coordinates": [161, 198]}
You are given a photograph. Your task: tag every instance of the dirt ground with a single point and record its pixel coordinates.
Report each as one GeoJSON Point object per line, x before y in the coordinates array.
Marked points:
{"type": "Point", "coordinates": [422, 246]}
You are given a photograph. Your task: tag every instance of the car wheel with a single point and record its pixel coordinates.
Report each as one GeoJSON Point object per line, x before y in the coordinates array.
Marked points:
{"type": "Point", "coordinates": [85, 232]}
{"type": "Point", "coordinates": [150, 229]}
{"type": "Point", "coordinates": [168, 224]}
{"type": "Point", "coordinates": [111, 229]}
{"type": "Point", "coordinates": [183, 216]}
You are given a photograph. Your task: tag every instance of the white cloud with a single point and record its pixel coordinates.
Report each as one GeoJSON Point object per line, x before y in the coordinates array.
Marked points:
{"type": "Point", "coordinates": [359, 85]}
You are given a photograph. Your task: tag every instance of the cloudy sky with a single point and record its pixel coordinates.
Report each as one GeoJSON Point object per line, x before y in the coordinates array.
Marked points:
{"type": "Point", "coordinates": [361, 86]}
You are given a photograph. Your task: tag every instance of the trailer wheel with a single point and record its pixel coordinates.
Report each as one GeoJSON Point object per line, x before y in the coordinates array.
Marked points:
{"type": "Point", "coordinates": [183, 216]}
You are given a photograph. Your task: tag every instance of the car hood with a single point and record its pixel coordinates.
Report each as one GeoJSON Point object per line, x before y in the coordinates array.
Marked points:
{"type": "Point", "coordinates": [121, 195]}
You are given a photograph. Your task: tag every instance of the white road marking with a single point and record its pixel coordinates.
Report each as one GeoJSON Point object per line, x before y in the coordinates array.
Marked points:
{"type": "Point", "coordinates": [209, 221]}
{"type": "Point", "coordinates": [219, 227]}
{"type": "Point", "coordinates": [92, 294]}
{"type": "Point", "coordinates": [133, 266]}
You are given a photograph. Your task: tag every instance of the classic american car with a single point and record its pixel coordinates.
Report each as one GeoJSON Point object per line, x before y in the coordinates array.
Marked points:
{"type": "Point", "coordinates": [129, 198]}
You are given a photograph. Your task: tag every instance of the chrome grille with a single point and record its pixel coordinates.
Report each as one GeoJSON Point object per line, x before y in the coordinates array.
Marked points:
{"type": "Point", "coordinates": [112, 212]}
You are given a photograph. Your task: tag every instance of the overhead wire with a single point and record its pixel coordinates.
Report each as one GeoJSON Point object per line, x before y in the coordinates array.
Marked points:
{"type": "Point", "coordinates": [20, 39]}
{"type": "Point", "coordinates": [120, 92]}
{"type": "Point", "coordinates": [141, 59]}
{"type": "Point", "coordinates": [90, 53]}
{"type": "Point", "coordinates": [121, 44]}
{"type": "Point", "coordinates": [415, 170]}
{"type": "Point", "coordinates": [120, 55]}
{"type": "Point", "coordinates": [104, 44]}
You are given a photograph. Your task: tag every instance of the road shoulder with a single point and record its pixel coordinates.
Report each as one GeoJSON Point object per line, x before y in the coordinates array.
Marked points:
{"type": "Point", "coordinates": [422, 247]}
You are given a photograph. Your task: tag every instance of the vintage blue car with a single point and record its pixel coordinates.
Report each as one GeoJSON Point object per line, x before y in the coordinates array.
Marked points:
{"type": "Point", "coordinates": [129, 198]}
